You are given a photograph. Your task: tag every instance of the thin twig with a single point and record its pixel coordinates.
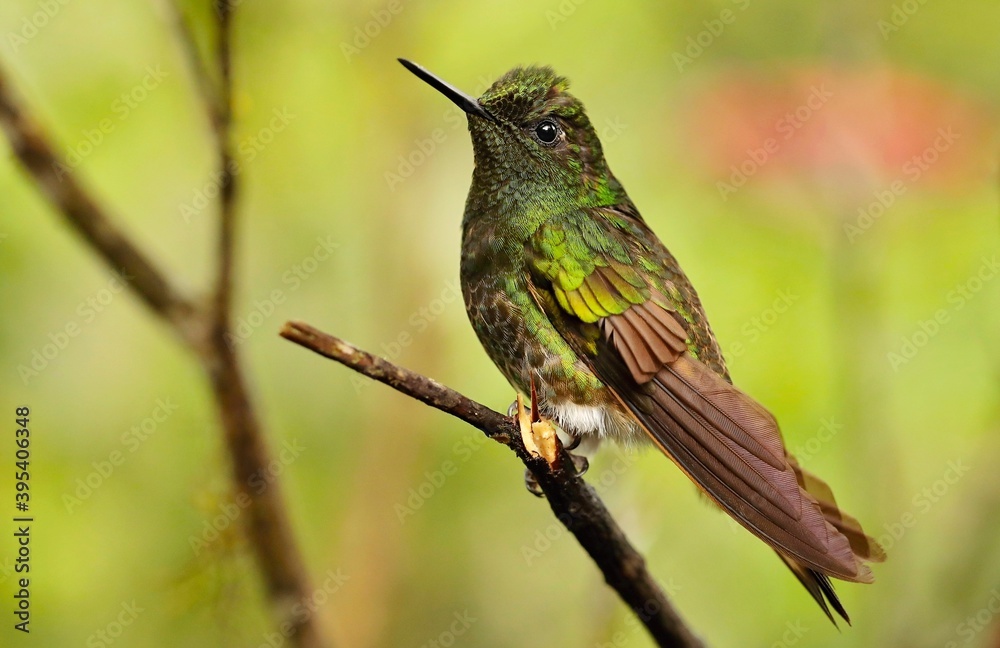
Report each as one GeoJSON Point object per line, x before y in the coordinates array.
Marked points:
{"type": "Point", "coordinates": [227, 190]}
{"type": "Point", "coordinates": [203, 79]}
{"type": "Point", "coordinates": [574, 503]}
{"type": "Point", "coordinates": [217, 99]}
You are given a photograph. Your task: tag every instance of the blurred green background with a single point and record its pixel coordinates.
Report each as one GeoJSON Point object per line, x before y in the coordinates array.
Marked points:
{"type": "Point", "coordinates": [851, 278]}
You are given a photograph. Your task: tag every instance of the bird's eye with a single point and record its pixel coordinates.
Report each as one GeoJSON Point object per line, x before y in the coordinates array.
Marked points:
{"type": "Point", "coordinates": [547, 132]}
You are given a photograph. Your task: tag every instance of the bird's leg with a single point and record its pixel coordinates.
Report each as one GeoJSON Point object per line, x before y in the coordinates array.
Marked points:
{"type": "Point", "coordinates": [524, 422]}
{"type": "Point", "coordinates": [548, 432]}
{"type": "Point", "coordinates": [523, 416]}
{"type": "Point", "coordinates": [537, 434]}
{"type": "Point", "coordinates": [543, 431]}
{"type": "Point", "coordinates": [541, 438]}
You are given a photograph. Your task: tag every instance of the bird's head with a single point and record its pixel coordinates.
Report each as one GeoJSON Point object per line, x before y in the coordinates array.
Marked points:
{"type": "Point", "coordinates": [531, 135]}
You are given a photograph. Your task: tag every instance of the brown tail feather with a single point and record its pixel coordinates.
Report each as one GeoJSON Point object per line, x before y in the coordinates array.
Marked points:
{"type": "Point", "coordinates": [863, 545]}
{"type": "Point", "coordinates": [819, 587]}
{"type": "Point", "coordinates": [731, 447]}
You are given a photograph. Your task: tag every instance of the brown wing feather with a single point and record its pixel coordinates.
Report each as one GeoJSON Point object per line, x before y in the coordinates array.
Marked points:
{"type": "Point", "coordinates": [727, 443]}
{"type": "Point", "coordinates": [644, 341]}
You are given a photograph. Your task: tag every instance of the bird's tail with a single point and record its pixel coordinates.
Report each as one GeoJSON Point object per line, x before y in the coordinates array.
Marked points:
{"type": "Point", "coordinates": [819, 587]}
{"type": "Point", "coordinates": [731, 447]}
{"type": "Point", "coordinates": [864, 546]}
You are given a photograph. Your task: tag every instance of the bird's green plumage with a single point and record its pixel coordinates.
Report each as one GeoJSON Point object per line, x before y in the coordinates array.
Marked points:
{"type": "Point", "coordinates": [539, 221]}
{"type": "Point", "coordinates": [573, 295]}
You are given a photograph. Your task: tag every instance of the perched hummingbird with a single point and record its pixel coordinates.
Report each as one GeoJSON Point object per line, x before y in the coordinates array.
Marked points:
{"type": "Point", "coordinates": [575, 299]}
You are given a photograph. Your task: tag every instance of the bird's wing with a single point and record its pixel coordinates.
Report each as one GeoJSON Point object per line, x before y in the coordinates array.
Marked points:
{"type": "Point", "coordinates": [604, 293]}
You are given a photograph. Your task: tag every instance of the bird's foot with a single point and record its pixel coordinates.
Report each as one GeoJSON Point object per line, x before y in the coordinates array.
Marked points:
{"type": "Point", "coordinates": [573, 439]}
{"type": "Point", "coordinates": [580, 466]}
{"type": "Point", "coordinates": [541, 439]}
{"type": "Point", "coordinates": [537, 434]}
{"type": "Point", "coordinates": [532, 484]}
{"type": "Point", "coordinates": [533, 435]}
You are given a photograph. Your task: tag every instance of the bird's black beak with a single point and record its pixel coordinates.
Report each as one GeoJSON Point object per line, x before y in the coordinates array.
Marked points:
{"type": "Point", "coordinates": [462, 100]}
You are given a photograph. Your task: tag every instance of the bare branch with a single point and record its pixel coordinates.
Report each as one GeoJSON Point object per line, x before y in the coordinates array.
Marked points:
{"type": "Point", "coordinates": [572, 500]}
{"type": "Point", "coordinates": [204, 82]}
{"type": "Point", "coordinates": [82, 212]}
{"type": "Point", "coordinates": [204, 329]}
{"type": "Point", "coordinates": [227, 191]}
{"type": "Point", "coordinates": [270, 530]}
{"type": "Point", "coordinates": [216, 96]}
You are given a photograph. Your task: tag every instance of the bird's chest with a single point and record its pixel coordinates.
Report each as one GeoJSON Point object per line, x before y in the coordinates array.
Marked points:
{"type": "Point", "coordinates": [520, 338]}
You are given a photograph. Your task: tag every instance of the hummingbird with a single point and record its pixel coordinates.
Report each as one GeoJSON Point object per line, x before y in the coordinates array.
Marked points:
{"type": "Point", "coordinates": [579, 304]}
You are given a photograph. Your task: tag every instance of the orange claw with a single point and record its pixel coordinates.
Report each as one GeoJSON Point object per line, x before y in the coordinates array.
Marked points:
{"type": "Point", "coordinates": [543, 432]}
{"type": "Point", "coordinates": [527, 431]}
